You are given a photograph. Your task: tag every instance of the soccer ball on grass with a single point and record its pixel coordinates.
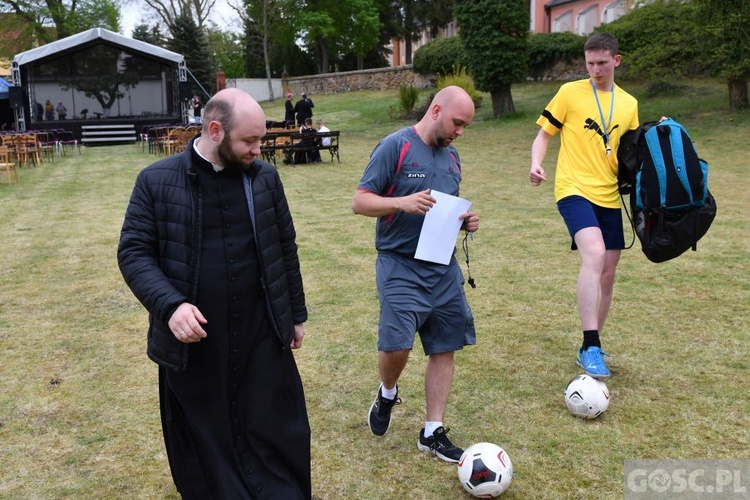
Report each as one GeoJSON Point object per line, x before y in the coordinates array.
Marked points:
{"type": "Point", "coordinates": [586, 397]}
{"type": "Point", "coordinates": [485, 470]}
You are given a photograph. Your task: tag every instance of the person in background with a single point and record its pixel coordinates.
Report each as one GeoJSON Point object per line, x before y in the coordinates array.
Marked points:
{"type": "Point", "coordinates": [208, 247]}
{"type": "Point", "coordinates": [303, 109]}
{"type": "Point", "coordinates": [49, 111]}
{"type": "Point", "coordinates": [289, 110]}
{"type": "Point", "coordinates": [197, 106]}
{"type": "Point", "coordinates": [38, 111]}
{"type": "Point", "coordinates": [61, 111]}
{"type": "Point", "coordinates": [325, 141]}
{"type": "Point", "coordinates": [591, 115]}
{"type": "Point", "coordinates": [308, 140]}
{"type": "Point", "coordinates": [415, 295]}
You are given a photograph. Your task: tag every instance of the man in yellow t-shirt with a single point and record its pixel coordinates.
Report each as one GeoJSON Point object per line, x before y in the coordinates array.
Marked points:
{"type": "Point", "coordinates": [591, 115]}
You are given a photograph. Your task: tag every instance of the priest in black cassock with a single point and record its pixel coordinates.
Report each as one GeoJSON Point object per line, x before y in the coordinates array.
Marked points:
{"type": "Point", "coordinates": [208, 247]}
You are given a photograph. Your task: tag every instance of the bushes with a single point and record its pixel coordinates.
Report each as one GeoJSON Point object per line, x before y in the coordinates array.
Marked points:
{"type": "Point", "coordinates": [659, 42]}
{"type": "Point", "coordinates": [408, 95]}
{"type": "Point", "coordinates": [407, 98]}
{"type": "Point", "coordinates": [460, 78]}
{"type": "Point", "coordinates": [548, 49]}
{"type": "Point", "coordinates": [439, 56]}
{"type": "Point", "coordinates": [407, 108]}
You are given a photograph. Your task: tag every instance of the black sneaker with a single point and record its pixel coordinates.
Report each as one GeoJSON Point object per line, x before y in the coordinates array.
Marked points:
{"type": "Point", "coordinates": [439, 445]}
{"type": "Point", "coordinates": [379, 418]}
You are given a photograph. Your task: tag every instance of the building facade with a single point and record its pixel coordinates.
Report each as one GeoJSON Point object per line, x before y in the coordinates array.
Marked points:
{"type": "Point", "coordinates": [547, 16]}
{"type": "Point", "coordinates": [576, 16]}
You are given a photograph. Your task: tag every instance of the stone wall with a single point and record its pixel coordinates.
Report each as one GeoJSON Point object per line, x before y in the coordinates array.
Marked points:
{"type": "Point", "coordinates": [393, 78]}
{"type": "Point", "coordinates": [369, 79]}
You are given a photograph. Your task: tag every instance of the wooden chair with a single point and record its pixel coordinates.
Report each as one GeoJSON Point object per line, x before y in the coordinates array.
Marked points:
{"type": "Point", "coordinates": [8, 167]}
{"type": "Point", "coordinates": [182, 137]}
{"type": "Point", "coordinates": [172, 142]}
{"type": "Point", "coordinates": [161, 140]}
{"type": "Point", "coordinates": [25, 149]}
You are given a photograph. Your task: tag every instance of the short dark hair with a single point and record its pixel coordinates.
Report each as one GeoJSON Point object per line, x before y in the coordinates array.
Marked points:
{"type": "Point", "coordinates": [219, 109]}
{"type": "Point", "coordinates": [602, 41]}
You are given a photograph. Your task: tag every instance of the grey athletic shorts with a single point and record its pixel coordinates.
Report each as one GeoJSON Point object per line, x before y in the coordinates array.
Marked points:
{"type": "Point", "coordinates": [421, 297]}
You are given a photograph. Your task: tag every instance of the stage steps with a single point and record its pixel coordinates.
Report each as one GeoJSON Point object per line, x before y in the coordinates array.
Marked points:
{"type": "Point", "coordinates": [107, 134]}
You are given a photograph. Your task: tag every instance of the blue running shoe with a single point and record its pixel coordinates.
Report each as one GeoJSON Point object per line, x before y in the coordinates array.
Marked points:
{"type": "Point", "coordinates": [592, 361]}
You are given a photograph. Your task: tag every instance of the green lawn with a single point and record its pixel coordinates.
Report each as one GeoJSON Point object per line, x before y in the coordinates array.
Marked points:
{"type": "Point", "coordinates": [78, 397]}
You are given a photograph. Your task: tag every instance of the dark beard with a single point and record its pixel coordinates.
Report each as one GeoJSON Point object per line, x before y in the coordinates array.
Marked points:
{"type": "Point", "coordinates": [228, 159]}
{"type": "Point", "coordinates": [443, 142]}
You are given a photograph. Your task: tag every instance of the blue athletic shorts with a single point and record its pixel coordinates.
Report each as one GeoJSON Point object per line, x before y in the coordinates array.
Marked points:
{"type": "Point", "coordinates": [579, 213]}
{"type": "Point", "coordinates": [422, 297]}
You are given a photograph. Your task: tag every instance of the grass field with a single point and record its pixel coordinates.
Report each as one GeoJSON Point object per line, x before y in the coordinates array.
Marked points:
{"type": "Point", "coordinates": [78, 397]}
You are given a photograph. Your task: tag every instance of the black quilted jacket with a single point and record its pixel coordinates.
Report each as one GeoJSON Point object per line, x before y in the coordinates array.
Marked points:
{"type": "Point", "coordinates": [159, 252]}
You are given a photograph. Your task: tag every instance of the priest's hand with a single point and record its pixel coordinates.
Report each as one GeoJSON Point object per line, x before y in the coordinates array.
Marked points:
{"type": "Point", "coordinates": [299, 334]}
{"type": "Point", "coordinates": [186, 323]}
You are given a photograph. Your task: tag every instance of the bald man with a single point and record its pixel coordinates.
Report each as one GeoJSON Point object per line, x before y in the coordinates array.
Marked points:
{"type": "Point", "coordinates": [208, 247]}
{"type": "Point", "coordinates": [418, 296]}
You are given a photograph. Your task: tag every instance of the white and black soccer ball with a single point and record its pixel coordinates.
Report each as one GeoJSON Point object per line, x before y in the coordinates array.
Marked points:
{"type": "Point", "coordinates": [485, 470]}
{"type": "Point", "coordinates": [586, 397]}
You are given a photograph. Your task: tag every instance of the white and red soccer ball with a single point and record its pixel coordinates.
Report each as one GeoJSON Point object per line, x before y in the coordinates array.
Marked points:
{"type": "Point", "coordinates": [485, 470]}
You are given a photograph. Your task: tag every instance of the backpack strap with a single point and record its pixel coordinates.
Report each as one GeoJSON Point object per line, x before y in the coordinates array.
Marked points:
{"type": "Point", "coordinates": [678, 155]}
{"type": "Point", "coordinates": [654, 148]}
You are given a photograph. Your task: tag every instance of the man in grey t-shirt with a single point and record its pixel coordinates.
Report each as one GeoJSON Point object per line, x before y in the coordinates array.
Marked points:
{"type": "Point", "coordinates": [417, 296]}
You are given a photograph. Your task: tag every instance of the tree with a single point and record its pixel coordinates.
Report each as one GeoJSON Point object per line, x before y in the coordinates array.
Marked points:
{"type": "Point", "coordinates": [332, 28]}
{"type": "Point", "coordinates": [67, 17]}
{"type": "Point", "coordinates": [227, 51]}
{"type": "Point", "coordinates": [726, 24]}
{"type": "Point", "coordinates": [361, 27]}
{"type": "Point", "coordinates": [187, 39]}
{"type": "Point", "coordinates": [19, 36]}
{"type": "Point", "coordinates": [495, 36]}
{"type": "Point", "coordinates": [169, 11]}
{"type": "Point", "coordinates": [95, 14]}
{"type": "Point", "coordinates": [258, 16]}
{"type": "Point", "coordinates": [149, 34]}
{"type": "Point", "coordinates": [668, 39]}
{"type": "Point", "coordinates": [659, 42]}
{"type": "Point", "coordinates": [412, 17]}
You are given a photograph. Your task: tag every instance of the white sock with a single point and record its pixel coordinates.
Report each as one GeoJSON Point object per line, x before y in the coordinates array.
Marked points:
{"type": "Point", "coordinates": [388, 393]}
{"type": "Point", "coordinates": [429, 428]}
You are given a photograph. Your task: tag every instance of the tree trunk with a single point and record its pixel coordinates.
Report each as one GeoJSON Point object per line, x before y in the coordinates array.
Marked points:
{"type": "Point", "coordinates": [737, 94]}
{"type": "Point", "coordinates": [266, 58]}
{"type": "Point", "coordinates": [322, 48]}
{"type": "Point", "coordinates": [407, 49]}
{"type": "Point", "coordinates": [502, 102]}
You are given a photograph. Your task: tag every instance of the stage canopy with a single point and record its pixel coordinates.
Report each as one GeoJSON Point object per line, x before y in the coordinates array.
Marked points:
{"type": "Point", "coordinates": [99, 73]}
{"type": "Point", "coordinates": [75, 42]}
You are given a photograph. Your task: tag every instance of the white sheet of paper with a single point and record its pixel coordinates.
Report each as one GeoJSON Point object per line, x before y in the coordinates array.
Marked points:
{"type": "Point", "coordinates": [440, 228]}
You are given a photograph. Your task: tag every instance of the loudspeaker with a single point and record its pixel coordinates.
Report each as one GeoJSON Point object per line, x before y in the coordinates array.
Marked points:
{"type": "Point", "coordinates": [15, 95]}
{"type": "Point", "coordinates": [185, 93]}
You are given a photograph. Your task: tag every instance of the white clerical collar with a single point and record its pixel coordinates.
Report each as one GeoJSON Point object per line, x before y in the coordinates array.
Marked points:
{"type": "Point", "coordinates": [217, 168]}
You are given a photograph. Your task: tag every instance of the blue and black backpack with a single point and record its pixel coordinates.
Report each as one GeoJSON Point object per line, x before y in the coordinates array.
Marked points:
{"type": "Point", "coordinates": [668, 186]}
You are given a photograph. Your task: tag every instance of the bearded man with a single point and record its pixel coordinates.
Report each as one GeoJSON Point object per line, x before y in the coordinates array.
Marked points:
{"type": "Point", "coordinates": [208, 247]}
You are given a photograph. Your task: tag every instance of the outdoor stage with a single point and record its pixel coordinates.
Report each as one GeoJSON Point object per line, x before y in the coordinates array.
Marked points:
{"type": "Point", "coordinates": [104, 130]}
